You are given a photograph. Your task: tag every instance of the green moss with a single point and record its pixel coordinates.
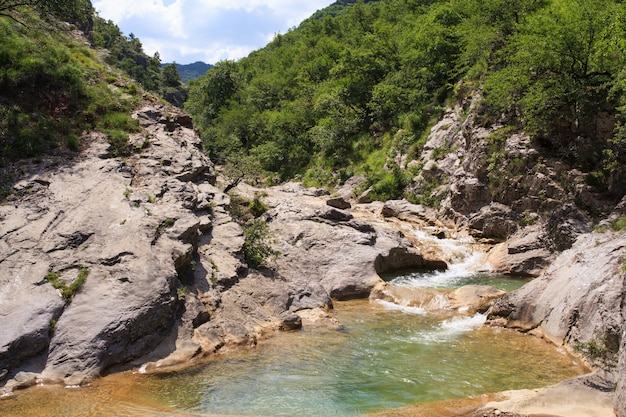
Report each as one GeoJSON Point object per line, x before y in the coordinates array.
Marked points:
{"type": "Point", "coordinates": [68, 291]}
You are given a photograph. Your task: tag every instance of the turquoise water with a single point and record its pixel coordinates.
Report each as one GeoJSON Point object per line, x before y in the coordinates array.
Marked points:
{"type": "Point", "coordinates": [382, 359]}
{"type": "Point", "coordinates": [384, 356]}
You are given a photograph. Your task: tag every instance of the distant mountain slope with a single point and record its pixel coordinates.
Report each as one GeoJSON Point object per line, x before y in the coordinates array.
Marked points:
{"type": "Point", "coordinates": [192, 71]}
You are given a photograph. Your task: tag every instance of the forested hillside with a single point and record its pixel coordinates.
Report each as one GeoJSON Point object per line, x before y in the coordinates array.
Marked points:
{"type": "Point", "coordinates": [356, 84]}
{"type": "Point", "coordinates": [57, 80]}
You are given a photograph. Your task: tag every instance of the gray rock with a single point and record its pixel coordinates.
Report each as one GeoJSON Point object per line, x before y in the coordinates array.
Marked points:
{"type": "Point", "coordinates": [577, 301]}
{"type": "Point", "coordinates": [526, 253]}
{"type": "Point", "coordinates": [495, 221]}
{"type": "Point", "coordinates": [565, 224]}
{"type": "Point", "coordinates": [330, 247]}
{"type": "Point", "coordinates": [620, 390]}
{"type": "Point", "coordinates": [339, 203]}
{"type": "Point", "coordinates": [131, 223]}
{"type": "Point", "coordinates": [414, 213]}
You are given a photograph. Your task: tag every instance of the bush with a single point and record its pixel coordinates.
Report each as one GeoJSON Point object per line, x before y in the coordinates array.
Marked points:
{"type": "Point", "coordinates": [257, 247]}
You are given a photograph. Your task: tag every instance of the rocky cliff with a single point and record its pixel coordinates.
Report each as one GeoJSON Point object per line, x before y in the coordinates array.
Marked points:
{"type": "Point", "coordinates": [110, 262]}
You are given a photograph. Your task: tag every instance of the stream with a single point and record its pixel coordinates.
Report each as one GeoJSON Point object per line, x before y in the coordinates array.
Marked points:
{"type": "Point", "coordinates": [384, 356]}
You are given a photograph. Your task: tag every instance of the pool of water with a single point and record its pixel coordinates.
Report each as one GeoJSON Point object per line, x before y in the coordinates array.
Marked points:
{"type": "Point", "coordinates": [383, 357]}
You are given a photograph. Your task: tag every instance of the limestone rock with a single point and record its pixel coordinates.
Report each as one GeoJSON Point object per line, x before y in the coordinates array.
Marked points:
{"type": "Point", "coordinates": [474, 298]}
{"type": "Point", "coordinates": [339, 202]}
{"type": "Point", "coordinates": [620, 389]}
{"type": "Point", "coordinates": [526, 253]}
{"type": "Point", "coordinates": [131, 223]}
{"type": "Point", "coordinates": [578, 300]}
{"type": "Point", "coordinates": [256, 304]}
{"type": "Point", "coordinates": [495, 221]}
{"type": "Point", "coordinates": [330, 247]}
{"type": "Point", "coordinates": [565, 224]}
{"type": "Point", "coordinates": [415, 213]}
{"type": "Point", "coordinates": [348, 190]}
{"type": "Point", "coordinates": [469, 299]}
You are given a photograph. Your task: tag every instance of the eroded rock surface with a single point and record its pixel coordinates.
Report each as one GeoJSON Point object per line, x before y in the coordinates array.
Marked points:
{"type": "Point", "coordinates": [578, 302]}
{"type": "Point", "coordinates": [165, 278]}
{"type": "Point", "coordinates": [130, 223]}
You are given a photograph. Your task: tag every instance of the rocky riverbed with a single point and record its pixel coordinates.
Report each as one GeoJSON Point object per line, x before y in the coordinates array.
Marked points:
{"type": "Point", "coordinates": [111, 263]}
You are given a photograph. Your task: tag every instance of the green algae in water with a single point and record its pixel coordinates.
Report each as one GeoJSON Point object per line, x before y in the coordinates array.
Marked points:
{"type": "Point", "coordinates": [383, 359]}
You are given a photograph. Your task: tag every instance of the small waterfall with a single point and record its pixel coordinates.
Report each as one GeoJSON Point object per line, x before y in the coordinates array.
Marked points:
{"type": "Point", "coordinates": [464, 257]}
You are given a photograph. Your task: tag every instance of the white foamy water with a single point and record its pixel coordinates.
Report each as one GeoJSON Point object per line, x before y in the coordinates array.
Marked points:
{"type": "Point", "coordinates": [464, 324]}
{"type": "Point", "coordinates": [461, 255]}
{"type": "Point", "coordinates": [405, 309]}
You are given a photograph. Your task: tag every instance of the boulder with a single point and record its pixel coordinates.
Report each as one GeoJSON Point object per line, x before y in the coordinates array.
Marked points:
{"type": "Point", "coordinates": [339, 202]}
{"type": "Point", "coordinates": [526, 253]}
{"type": "Point", "coordinates": [469, 299]}
{"type": "Point", "coordinates": [415, 213]}
{"type": "Point", "coordinates": [564, 226]}
{"type": "Point", "coordinates": [578, 301]}
{"type": "Point", "coordinates": [330, 247]}
{"type": "Point", "coordinates": [473, 299]}
{"type": "Point", "coordinates": [495, 221]}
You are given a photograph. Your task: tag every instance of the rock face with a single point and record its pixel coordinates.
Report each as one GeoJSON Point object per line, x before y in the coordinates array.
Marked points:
{"type": "Point", "coordinates": [620, 390]}
{"type": "Point", "coordinates": [129, 223]}
{"type": "Point", "coordinates": [161, 258]}
{"type": "Point", "coordinates": [319, 243]}
{"type": "Point", "coordinates": [579, 302]}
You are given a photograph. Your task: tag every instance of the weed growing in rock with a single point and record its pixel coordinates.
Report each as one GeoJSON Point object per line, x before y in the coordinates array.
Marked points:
{"type": "Point", "coordinates": [600, 350]}
{"type": "Point", "coordinates": [256, 206]}
{"type": "Point", "coordinates": [52, 326]}
{"type": "Point", "coordinates": [68, 291]}
{"type": "Point", "coordinates": [619, 224]}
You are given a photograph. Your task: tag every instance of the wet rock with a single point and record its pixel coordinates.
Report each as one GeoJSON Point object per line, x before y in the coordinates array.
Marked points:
{"type": "Point", "coordinates": [473, 299]}
{"type": "Point", "coordinates": [429, 300]}
{"type": "Point", "coordinates": [469, 299]}
{"type": "Point", "coordinates": [526, 253]}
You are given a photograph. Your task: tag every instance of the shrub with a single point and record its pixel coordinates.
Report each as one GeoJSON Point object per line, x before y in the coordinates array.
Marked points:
{"type": "Point", "coordinates": [257, 247]}
{"type": "Point", "coordinates": [619, 224]}
{"type": "Point", "coordinates": [256, 206]}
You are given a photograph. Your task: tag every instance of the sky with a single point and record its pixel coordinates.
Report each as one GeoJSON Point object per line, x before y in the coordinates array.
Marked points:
{"type": "Point", "coordinates": [185, 31]}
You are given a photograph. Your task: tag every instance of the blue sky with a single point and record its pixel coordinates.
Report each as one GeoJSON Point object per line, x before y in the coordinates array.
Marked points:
{"type": "Point", "coordinates": [186, 31]}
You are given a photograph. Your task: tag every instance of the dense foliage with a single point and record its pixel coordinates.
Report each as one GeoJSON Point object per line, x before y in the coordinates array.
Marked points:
{"type": "Point", "coordinates": [75, 11]}
{"type": "Point", "coordinates": [53, 87]}
{"type": "Point", "coordinates": [356, 85]}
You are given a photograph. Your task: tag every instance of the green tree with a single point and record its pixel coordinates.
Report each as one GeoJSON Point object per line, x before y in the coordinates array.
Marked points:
{"type": "Point", "coordinates": [72, 10]}
{"type": "Point", "coordinates": [209, 93]}
{"type": "Point", "coordinates": [171, 77]}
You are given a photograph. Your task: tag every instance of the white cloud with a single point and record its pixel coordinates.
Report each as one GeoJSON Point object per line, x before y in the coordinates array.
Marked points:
{"type": "Point", "coordinates": [209, 30]}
